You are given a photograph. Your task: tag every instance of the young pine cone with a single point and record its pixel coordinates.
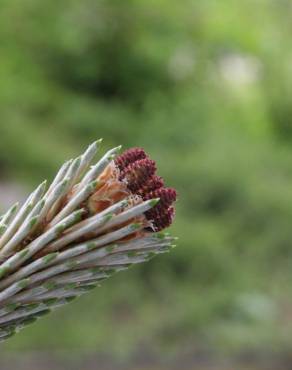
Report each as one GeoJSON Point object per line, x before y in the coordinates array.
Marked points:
{"type": "Point", "coordinates": [88, 224]}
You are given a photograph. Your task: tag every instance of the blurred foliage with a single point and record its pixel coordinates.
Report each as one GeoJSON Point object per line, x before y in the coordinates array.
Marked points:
{"type": "Point", "coordinates": [206, 88]}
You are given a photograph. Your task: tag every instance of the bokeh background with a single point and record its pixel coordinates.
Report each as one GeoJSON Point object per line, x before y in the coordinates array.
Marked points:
{"type": "Point", "coordinates": [205, 87]}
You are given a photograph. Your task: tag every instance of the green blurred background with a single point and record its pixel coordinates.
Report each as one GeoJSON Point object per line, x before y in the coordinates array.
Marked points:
{"type": "Point", "coordinates": [205, 87]}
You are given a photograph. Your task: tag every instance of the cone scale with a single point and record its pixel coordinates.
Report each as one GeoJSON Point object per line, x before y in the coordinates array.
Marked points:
{"type": "Point", "coordinates": [90, 222]}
